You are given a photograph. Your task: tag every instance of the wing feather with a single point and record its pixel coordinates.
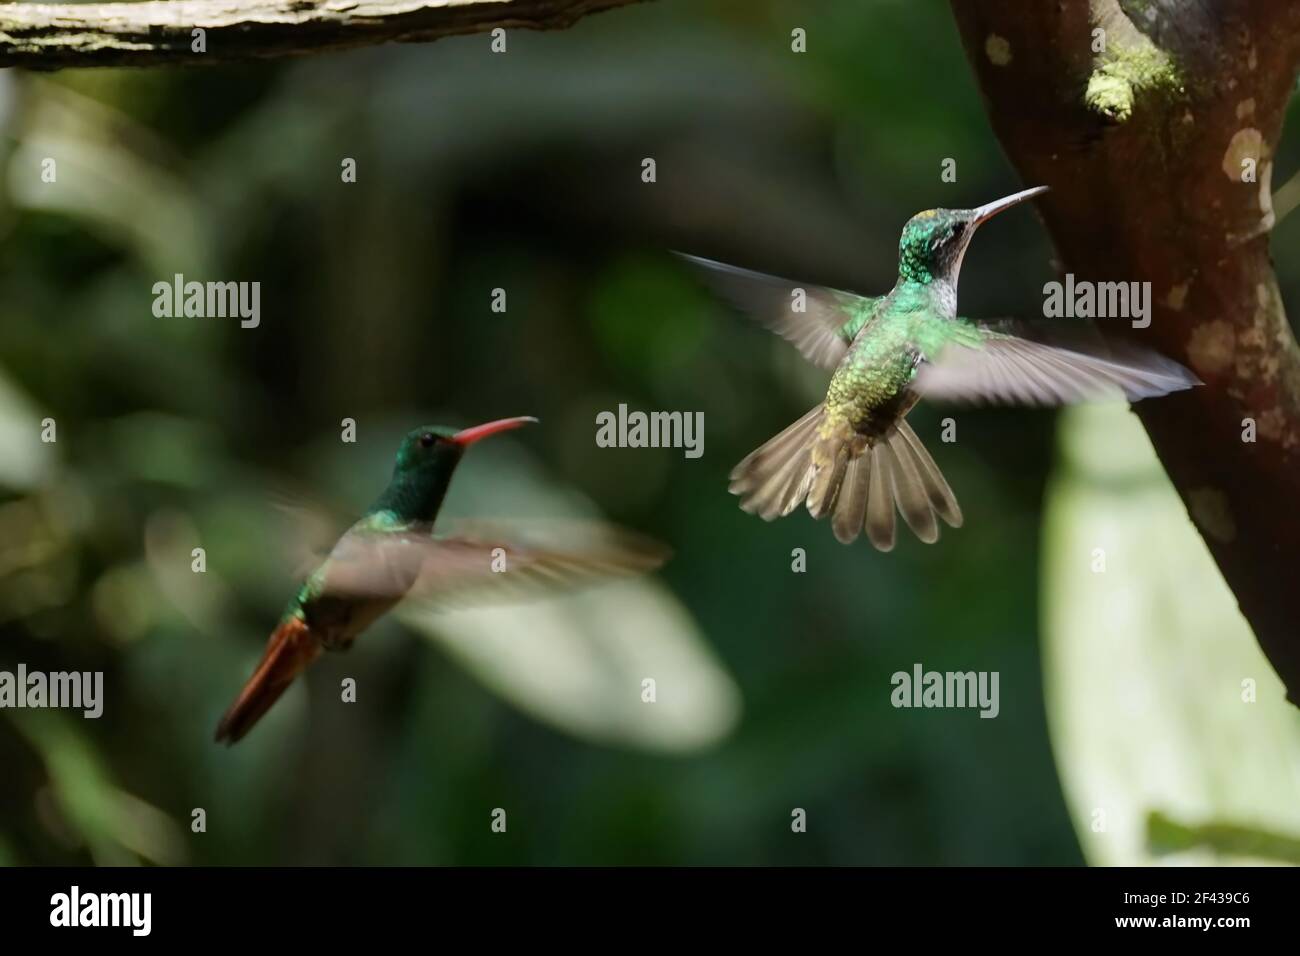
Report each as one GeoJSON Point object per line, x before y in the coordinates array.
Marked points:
{"type": "Point", "coordinates": [822, 331]}
{"type": "Point", "coordinates": [997, 366]}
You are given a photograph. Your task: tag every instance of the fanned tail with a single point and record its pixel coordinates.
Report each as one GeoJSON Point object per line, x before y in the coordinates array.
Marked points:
{"type": "Point", "coordinates": [291, 648]}
{"type": "Point", "coordinates": [857, 481]}
{"type": "Point", "coordinates": [771, 479]}
{"type": "Point", "coordinates": [896, 472]}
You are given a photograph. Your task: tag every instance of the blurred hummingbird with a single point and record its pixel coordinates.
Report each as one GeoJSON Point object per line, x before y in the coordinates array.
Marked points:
{"type": "Point", "coordinates": [391, 552]}
{"type": "Point", "coordinates": [853, 456]}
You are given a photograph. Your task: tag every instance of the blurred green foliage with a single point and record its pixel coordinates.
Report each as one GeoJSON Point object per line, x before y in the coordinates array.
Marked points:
{"type": "Point", "coordinates": [520, 172]}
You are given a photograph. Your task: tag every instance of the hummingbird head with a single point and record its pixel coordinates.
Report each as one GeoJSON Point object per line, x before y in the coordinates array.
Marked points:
{"type": "Point", "coordinates": [436, 447]}
{"type": "Point", "coordinates": [935, 241]}
{"type": "Point", "coordinates": [425, 461]}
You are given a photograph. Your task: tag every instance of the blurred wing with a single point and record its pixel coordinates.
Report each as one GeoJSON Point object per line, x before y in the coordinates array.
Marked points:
{"type": "Point", "coordinates": [824, 328]}
{"type": "Point", "coordinates": [482, 565]}
{"type": "Point", "coordinates": [368, 563]}
{"type": "Point", "coordinates": [988, 364]}
{"type": "Point", "coordinates": [305, 529]}
{"type": "Point", "coordinates": [486, 565]}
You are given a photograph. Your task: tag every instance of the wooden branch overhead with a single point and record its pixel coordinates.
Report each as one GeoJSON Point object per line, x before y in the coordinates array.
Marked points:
{"type": "Point", "coordinates": [1156, 124]}
{"type": "Point", "coordinates": [161, 32]}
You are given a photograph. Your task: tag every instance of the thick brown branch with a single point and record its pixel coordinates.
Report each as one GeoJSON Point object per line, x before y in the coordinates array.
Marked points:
{"type": "Point", "coordinates": [161, 32]}
{"type": "Point", "coordinates": [1159, 150]}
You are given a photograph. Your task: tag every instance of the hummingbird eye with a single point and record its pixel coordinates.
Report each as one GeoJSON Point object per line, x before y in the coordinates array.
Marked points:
{"type": "Point", "coordinates": [427, 440]}
{"type": "Point", "coordinates": [943, 237]}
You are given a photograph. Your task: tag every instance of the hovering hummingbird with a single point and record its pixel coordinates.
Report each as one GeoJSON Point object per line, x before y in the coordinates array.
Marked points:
{"type": "Point", "coordinates": [853, 456]}
{"type": "Point", "coordinates": [391, 552]}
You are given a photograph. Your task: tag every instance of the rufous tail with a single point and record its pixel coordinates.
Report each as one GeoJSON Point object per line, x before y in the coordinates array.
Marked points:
{"type": "Point", "coordinates": [856, 479]}
{"type": "Point", "coordinates": [291, 648]}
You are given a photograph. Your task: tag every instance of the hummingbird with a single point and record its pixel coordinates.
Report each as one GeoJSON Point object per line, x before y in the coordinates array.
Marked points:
{"type": "Point", "coordinates": [391, 552]}
{"type": "Point", "coordinates": [853, 456]}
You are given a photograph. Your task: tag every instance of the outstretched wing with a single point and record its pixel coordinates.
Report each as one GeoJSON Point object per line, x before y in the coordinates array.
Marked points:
{"type": "Point", "coordinates": [304, 528]}
{"type": "Point", "coordinates": [482, 563]}
{"type": "Point", "coordinates": [821, 323]}
{"type": "Point", "coordinates": [1002, 363]}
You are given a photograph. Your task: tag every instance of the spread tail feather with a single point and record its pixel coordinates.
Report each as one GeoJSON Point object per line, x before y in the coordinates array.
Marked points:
{"type": "Point", "coordinates": [770, 481]}
{"type": "Point", "coordinates": [291, 648]}
{"type": "Point", "coordinates": [857, 482]}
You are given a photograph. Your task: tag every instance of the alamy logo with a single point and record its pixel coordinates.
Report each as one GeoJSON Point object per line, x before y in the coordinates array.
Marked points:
{"type": "Point", "coordinates": [78, 690]}
{"type": "Point", "coordinates": [1098, 300]}
{"type": "Point", "coordinates": [209, 300]}
{"type": "Point", "coordinates": [74, 908]}
{"type": "Point", "coordinates": [626, 429]}
{"type": "Point", "coordinates": [923, 688]}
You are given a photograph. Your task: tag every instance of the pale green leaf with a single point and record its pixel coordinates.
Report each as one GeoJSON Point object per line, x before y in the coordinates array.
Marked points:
{"type": "Point", "coordinates": [1149, 663]}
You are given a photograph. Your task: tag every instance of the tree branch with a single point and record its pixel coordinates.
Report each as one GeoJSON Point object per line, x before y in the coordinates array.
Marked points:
{"type": "Point", "coordinates": [1143, 144]}
{"type": "Point", "coordinates": [160, 32]}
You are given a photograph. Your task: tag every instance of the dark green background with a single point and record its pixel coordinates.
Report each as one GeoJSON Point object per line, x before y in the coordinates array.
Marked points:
{"type": "Point", "coordinates": [519, 171]}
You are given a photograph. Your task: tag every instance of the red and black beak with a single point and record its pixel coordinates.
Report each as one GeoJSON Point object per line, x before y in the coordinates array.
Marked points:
{"type": "Point", "coordinates": [468, 436]}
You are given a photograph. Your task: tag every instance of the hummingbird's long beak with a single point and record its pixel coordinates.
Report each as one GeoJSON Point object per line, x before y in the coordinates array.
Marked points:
{"type": "Point", "coordinates": [470, 435]}
{"type": "Point", "coordinates": [989, 210]}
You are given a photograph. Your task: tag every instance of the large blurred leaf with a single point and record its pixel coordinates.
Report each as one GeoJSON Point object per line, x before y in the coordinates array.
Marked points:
{"type": "Point", "coordinates": [578, 661]}
{"type": "Point", "coordinates": [110, 172]}
{"type": "Point", "coordinates": [1146, 666]}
